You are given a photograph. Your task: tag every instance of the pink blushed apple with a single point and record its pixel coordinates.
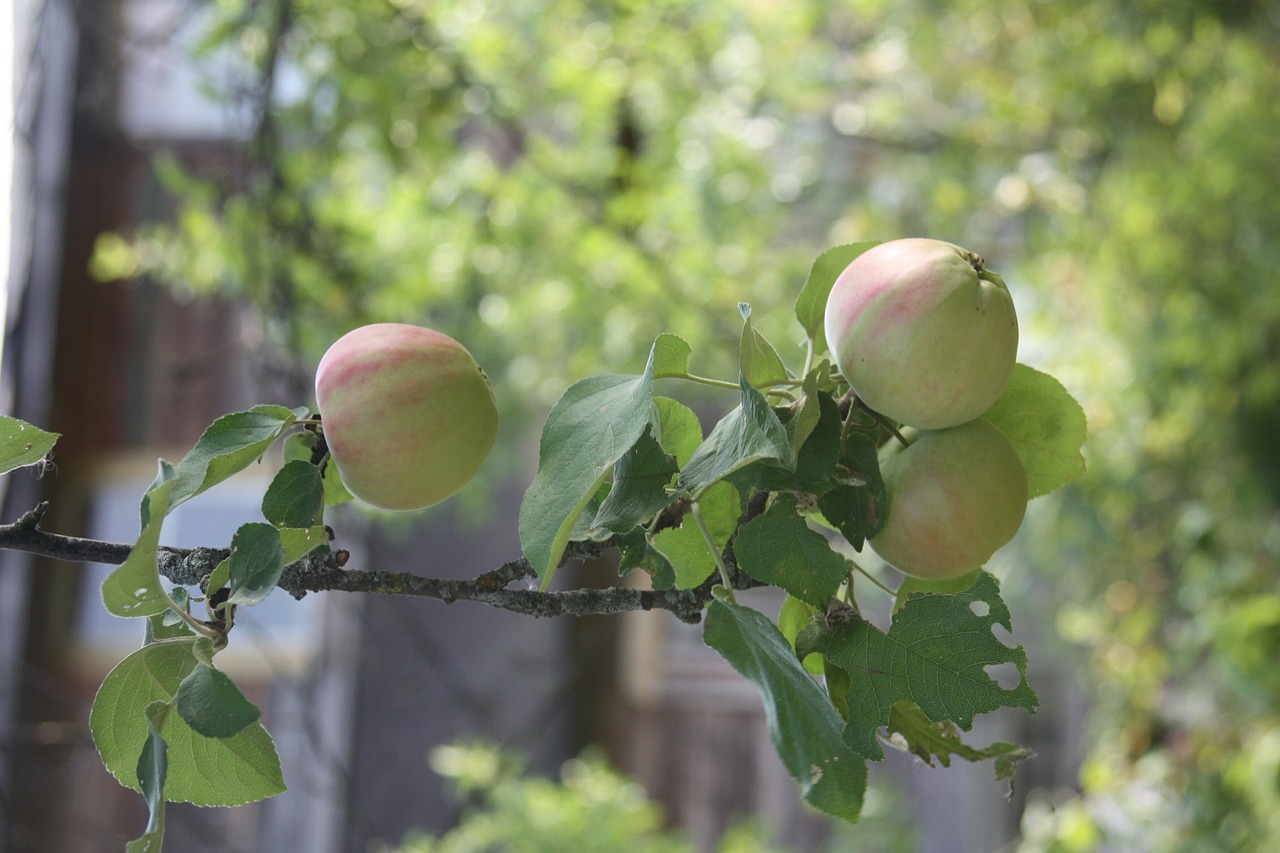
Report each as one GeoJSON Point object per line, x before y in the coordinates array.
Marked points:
{"type": "Point", "coordinates": [408, 415]}
{"type": "Point", "coordinates": [923, 332]}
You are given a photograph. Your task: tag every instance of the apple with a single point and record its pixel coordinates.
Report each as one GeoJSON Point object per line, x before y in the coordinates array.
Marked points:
{"type": "Point", "coordinates": [956, 496]}
{"type": "Point", "coordinates": [407, 414]}
{"type": "Point", "coordinates": [923, 332]}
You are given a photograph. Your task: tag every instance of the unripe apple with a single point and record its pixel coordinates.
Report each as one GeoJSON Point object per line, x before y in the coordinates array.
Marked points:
{"type": "Point", "coordinates": [923, 332]}
{"type": "Point", "coordinates": [407, 414]}
{"type": "Point", "coordinates": [956, 496]}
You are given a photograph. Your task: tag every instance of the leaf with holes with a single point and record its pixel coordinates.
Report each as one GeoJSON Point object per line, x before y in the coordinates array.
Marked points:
{"type": "Point", "coordinates": [936, 654]}
{"type": "Point", "coordinates": [931, 740]}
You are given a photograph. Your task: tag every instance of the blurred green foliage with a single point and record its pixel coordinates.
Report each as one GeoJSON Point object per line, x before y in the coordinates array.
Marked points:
{"type": "Point", "coordinates": [556, 183]}
{"type": "Point", "coordinates": [591, 809]}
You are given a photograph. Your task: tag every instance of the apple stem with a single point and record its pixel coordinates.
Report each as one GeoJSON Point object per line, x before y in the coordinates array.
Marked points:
{"type": "Point", "coordinates": [874, 580]}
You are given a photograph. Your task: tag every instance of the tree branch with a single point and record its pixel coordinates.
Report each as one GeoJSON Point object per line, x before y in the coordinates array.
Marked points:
{"type": "Point", "coordinates": [325, 572]}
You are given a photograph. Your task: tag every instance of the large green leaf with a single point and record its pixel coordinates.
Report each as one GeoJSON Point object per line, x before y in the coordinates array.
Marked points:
{"type": "Point", "coordinates": [22, 444]}
{"type": "Point", "coordinates": [749, 433]}
{"type": "Point", "coordinates": [779, 548]}
{"type": "Point", "coordinates": [1046, 425]}
{"type": "Point", "coordinates": [229, 445]}
{"type": "Point", "coordinates": [201, 770]}
{"type": "Point", "coordinates": [811, 303]}
{"type": "Point", "coordinates": [134, 589]}
{"type": "Point", "coordinates": [588, 430]}
{"type": "Point", "coordinates": [936, 655]}
{"type": "Point", "coordinates": [802, 723]}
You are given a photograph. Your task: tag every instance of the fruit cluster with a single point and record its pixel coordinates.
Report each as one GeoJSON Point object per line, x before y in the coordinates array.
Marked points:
{"type": "Point", "coordinates": [927, 337]}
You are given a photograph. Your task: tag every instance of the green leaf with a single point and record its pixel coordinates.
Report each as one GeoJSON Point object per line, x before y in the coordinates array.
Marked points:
{"type": "Point", "coordinates": [204, 771]}
{"type": "Point", "coordinates": [686, 549]}
{"type": "Point", "coordinates": [815, 430]}
{"type": "Point", "coordinates": [792, 616]}
{"type": "Point", "coordinates": [165, 626]}
{"type": "Point", "coordinates": [1046, 425]}
{"type": "Point", "coordinates": [935, 655]}
{"type": "Point", "coordinates": [335, 491]}
{"type": "Point", "coordinates": [299, 446]}
{"type": "Point", "coordinates": [916, 586]}
{"type": "Point", "coordinates": [295, 497]}
{"type": "Point", "coordinates": [858, 506]}
{"type": "Point", "coordinates": [229, 445]}
{"type": "Point", "coordinates": [640, 486]}
{"type": "Point", "coordinates": [758, 361]}
{"type": "Point", "coordinates": [779, 548]}
{"type": "Point", "coordinates": [299, 542]}
{"type": "Point", "coordinates": [220, 576]}
{"type": "Point", "coordinates": [670, 357]}
{"type": "Point", "coordinates": [134, 589]}
{"type": "Point", "coordinates": [636, 552]}
{"type": "Point", "coordinates": [22, 444]}
{"type": "Point", "coordinates": [749, 433]}
{"type": "Point", "coordinates": [941, 740]}
{"type": "Point", "coordinates": [587, 431]}
{"type": "Point", "coordinates": [212, 705]}
{"type": "Point", "coordinates": [803, 725]}
{"type": "Point", "coordinates": [152, 767]}
{"type": "Point", "coordinates": [678, 429]}
{"type": "Point", "coordinates": [811, 303]}
{"type": "Point", "coordinates": [257, 559]}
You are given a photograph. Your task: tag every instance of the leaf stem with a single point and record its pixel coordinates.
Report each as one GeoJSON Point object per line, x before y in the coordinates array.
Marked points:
{"type": "Point", "coordinates": [772, 387]}
{"type": "Point", "coordinates": [715, 552]}
{"type": "Point", "coordinates": [195, 624]}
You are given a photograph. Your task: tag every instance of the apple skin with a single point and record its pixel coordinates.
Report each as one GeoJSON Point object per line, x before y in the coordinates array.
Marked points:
{"type": "Point", "coordinates": [407, 414]}
{"type": "Point", "coordinates": [923, 333]}
{"type": "Point", "coordinates": [956, 496]}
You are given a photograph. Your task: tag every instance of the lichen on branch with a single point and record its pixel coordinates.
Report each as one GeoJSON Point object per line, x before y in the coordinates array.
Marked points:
{"type": "Point", "coordinates": [326, 573]}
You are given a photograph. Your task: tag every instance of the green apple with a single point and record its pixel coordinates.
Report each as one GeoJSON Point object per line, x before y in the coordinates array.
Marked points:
{"type": "Point", "coordinates": [923, 332]}
{"type": "Point", "coordinates": [407, 414]}
{"type": "Point", "coordinates": [956, 496]}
